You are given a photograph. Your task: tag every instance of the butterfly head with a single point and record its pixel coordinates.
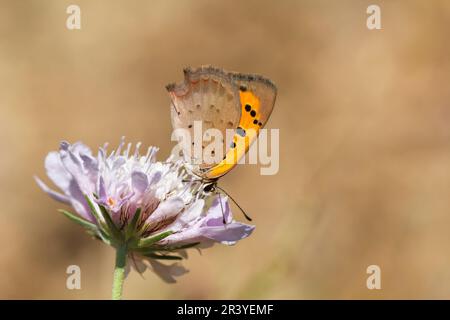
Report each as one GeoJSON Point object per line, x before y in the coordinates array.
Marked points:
{"type": "Point", "coordinates": [210, 186]}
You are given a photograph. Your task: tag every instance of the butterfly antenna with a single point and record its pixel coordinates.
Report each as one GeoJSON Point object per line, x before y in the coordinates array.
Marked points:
{"type": "Point", "coordinates": [176, 110]}
{"type": "Point", "coordinates": [242, 210]}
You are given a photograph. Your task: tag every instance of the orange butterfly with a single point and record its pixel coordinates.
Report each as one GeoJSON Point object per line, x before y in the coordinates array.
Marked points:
{"type": "Point", "coordinates": [224, 101]}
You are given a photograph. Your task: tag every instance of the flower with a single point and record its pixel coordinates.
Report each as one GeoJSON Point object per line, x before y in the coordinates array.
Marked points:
{"type": "Point", "coordinates": [152, 209]}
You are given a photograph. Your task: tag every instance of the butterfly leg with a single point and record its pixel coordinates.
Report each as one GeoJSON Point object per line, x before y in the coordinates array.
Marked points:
{"type": "Point", "coordinates": [221, 207]}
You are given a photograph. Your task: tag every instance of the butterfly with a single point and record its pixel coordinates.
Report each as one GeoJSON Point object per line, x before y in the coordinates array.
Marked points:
{"type": "Point", "coordinates": [225, 101]}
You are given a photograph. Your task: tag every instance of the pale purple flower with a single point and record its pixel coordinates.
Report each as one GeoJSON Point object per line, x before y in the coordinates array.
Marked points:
{"type": "Point", "coordinates": [155, 208]}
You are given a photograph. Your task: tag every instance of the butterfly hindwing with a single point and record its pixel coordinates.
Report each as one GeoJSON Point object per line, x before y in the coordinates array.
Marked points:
{"type": "Point", "coordinates": [207, 96]}
{"type": "Point", "coordinates": [222, 100]}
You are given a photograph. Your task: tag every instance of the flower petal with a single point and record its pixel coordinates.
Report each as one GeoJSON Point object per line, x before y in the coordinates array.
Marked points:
{"type": "Point", "coordinates": [229, 233]}
{"type": "Point", "coordinates": [72, 162]}
{"type": "Point", "coordinates": [167, 209]}
{"type": "Point", "coordinates": [55, 195]}
{"type": "Point", "coordinates": [91, 167]}
{"type": "Point", "coordinates": [139, 181]}
{"type": "Point", "coordinates": [79, 202]}
{"type": "Point", "coordinates": [102, 198]}
{"type": "Point", "coordinates": [137, 264]}
{"type": "Point", "coordinates": [219, 210]}
{"type": "Point", "coordinates": [56, 171]}
{"type": "Point", "coordinates": [189, 216]}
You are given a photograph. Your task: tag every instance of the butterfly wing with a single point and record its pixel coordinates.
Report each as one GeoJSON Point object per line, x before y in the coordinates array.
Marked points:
{"type": "Point", "coordinates": [207, 96]}
{"type": "Point", "coordinates": [257, 98]}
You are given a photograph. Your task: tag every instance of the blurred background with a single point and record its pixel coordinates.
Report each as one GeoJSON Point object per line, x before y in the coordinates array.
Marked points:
{"type": "Point", "coordinates": [364, 135]}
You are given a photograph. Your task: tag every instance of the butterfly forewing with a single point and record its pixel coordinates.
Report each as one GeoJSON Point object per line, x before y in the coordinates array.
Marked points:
{"type": "Point", "coordinates": [257, 95]}
{"type": "Point", "coordinates": [257, 98]}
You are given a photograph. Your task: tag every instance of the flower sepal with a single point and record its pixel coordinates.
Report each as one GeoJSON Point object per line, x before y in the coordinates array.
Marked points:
{"type": "Point", "coordinates": [149, 241]}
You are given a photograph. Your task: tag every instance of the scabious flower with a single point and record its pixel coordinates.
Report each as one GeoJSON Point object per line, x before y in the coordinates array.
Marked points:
{"type": "Point", "coordinates": [149, 211]}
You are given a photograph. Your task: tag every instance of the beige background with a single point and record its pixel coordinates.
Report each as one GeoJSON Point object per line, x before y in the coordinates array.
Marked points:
{"type": "Point", "coordinates": [364, 126]}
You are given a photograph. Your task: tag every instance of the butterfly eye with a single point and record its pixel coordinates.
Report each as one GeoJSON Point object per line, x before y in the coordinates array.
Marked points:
{"type": "Point", "coordinates": [248, 107]}
{"type": "Point", "coordinates": [253, 113]}
{"type": "Point", "coordinates": [255, 121]}
{"type": "Point", "coordinates": [209, 188]}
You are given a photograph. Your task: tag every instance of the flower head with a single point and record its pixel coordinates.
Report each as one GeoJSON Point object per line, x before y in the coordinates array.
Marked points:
{"type": "Point", "coordinates": [153, 209]}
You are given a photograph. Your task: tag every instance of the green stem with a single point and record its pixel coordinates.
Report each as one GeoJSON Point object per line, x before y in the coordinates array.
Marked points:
{"type": "Point", "coordinates": [119, 272]}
